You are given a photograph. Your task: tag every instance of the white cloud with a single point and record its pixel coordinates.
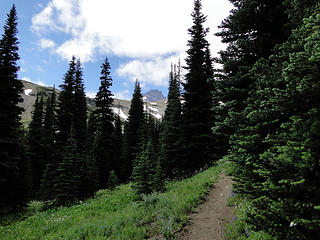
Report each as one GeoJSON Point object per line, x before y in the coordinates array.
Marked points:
{"type": "Point", "coordinates": [46, 43]}
{"type": "Point", "coordinates": [154, 71]}
{"type": "Point", "coordinates": [26, 79]}
{"type": "Point", "coordinates": [125, 95]}
{"type": "Point", "coordinates": [40, 83]}
{"type": "Point", "coordinates": [91, 94]}
{"type": "Point", "coordinates": [144, 30]}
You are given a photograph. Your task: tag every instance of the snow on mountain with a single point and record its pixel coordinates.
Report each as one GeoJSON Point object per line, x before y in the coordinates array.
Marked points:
{"type": "Point", "coordinates": [153, 109]}
{"type": "Point", "coordinates": [27, 91]}
{"type": "Point", "coordinates": [157, 115]}
{"type": "Point", "coordinates": [119, 112]}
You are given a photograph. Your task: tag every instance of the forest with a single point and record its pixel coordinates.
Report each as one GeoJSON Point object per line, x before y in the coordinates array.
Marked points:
{"type": "Point", "coordinates": [256, 107]}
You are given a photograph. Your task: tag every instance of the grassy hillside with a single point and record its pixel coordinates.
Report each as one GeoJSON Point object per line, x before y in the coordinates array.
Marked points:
{"type": "Point", "coordinates": [117, 214]}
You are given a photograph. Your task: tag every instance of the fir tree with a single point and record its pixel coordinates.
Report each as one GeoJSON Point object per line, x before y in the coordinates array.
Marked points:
{"type": "Point", "coordinates": [197, 116]}
{"type": "Point", "coordinates": [105, 140]}
{"type": "Point", "coordinates": [92, 132]}
{"type": "Point", "coordinates": [118, 145]}
{"type": "Point", "coordinates": [66, 105]}
{"type": "Point", "coordinates": [67, 182]}
{"type": "Point", "coordinates": [50, 157]}
{"type": "Point", "coordinates": [80, 109]}
{"type": "Point", "coordinates": [13, 163]}
{"type": "Point", "coordinates": [251, 31]}
{"type": "Point", "coordinates": [36, 146]}
{"type": "Point", "coordinates": [144, 174]}
{"type": "Point", "coordinates": [276, 145]}
{"type": "Point", "coordinates": [132, 134]}
{"type": "Point", "coordinates": [171, 142]}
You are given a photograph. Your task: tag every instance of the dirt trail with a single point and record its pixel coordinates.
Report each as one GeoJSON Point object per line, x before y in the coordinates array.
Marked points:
{"type": "Point", "coordinates": [208, 223]}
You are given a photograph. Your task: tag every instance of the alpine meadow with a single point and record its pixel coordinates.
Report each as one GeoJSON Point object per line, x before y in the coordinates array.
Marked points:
{"type": "Point", "coordinates": [102, 167]}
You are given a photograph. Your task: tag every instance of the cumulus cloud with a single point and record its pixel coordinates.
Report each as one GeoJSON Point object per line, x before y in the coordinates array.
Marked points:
{"type": "Point", "coordinates": [144, 31]}
{"type": "Point", "coordinates": [125, 95]}
{"type": "Point", "coordinates": [46, 43]}
{"type": "Point", "coordinates": [154, 71]}
{"type": "Point", "coordinates": [40, 83]}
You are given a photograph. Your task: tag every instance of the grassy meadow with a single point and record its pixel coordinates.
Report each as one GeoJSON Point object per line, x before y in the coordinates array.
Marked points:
{"type": "Point", "coordinates": [116, 214]}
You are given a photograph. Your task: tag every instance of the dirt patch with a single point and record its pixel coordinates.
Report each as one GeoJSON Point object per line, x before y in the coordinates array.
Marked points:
{"type": "Point", "coordinates": [209, 221]}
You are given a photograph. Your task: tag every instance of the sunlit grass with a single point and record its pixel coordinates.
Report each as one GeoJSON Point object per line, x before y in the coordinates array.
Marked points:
{"type": "Point", "coordinates": [117, 214]}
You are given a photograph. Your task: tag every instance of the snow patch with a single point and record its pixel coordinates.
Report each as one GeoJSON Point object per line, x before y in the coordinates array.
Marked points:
{"type": "Point", "coordinates": [27, 91]}
{"type": "Point", "coordinates": [158, 116]}
{"type": "Point", "coordinates": [153, 103]}
{"type": "Point", "coordinates": [153, 109]}
{"type": "Point", "coordinates": [120, 112]}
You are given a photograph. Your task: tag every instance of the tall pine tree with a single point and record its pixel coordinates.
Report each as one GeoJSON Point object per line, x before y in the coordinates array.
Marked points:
{"type": "Point", "coordinates": [197, 116]}
{"type": "Point", "coordinates": [80, 109]}
{"type": "Point", "coordinates": [251, 31]}
{"type": "Point", "coordinates": [133, 133]}
{"type": "Point", "coordinates": [13, 163]}
{"type": "Point", "coordinates": [66, 105]}
{"type": "Point", "coordinates": [105, 139]}
{"type": "Point", "coordinates": [36, 147]}
{"type": "Point", "coordinates": [48, 140]}
{"type": "Point", "coordinates": [171, 141]}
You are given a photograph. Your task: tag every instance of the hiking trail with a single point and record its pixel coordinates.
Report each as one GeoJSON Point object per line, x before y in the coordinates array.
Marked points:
{"type": "Point", "coordinates": [211, 217]}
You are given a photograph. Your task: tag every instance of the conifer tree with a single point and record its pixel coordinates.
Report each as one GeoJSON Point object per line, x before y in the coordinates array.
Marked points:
{"type": "Point", "coordinates": [132, 134]}
{"type": "Point", "coordinates": [92, 132]}
{"type": "Point", "coordinates": [105, 140]}
{"type": "Point", "coordinates": [13, 162]}
{"type": "Point", "coordinates": [197, 114]}
{"type": "Point", "coordinates": [144, 172]}
{"type": "Point", "coordinates": [67, 182]}
{"type": "Point", "coordinates": [118, 145]}
{"type": "Point", "coordinates": [80, 109]}
{"type": "Point", "coordinates": [50, 157]}
{"type": "Point", "coordinates": [36, 147]}
{"type": "Point", "coordinates": [171, 142]}
{"type": "Point", "coordinates": [276, 145]}
{"type": "Point", "coordinates": [66, 105]}
{"type": "Point", "coordinates": [251, 31]}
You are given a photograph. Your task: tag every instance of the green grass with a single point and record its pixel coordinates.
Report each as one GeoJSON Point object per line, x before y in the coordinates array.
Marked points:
{"type": "Point", "coordinates": [117, 214]}
{"type": "Point", "coordinates": [239, 229]}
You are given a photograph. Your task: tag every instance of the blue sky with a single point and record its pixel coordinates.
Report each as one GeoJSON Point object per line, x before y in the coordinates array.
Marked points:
{"type": "Point", "coordinates": [140, 38]}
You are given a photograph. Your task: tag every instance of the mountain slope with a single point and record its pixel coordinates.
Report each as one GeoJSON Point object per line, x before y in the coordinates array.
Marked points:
{"type": "Point", "coordinates": [121, 107]}
{"type": "Point", "coordinates": [154, 96]}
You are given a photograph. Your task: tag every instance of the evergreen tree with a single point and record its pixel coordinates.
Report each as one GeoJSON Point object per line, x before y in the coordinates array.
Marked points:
{"type": "Point", "coordinates": [92, 132]}
{"type": "Point", "coordinates": [276, 145]}
{"type": "Point", "coordinates": [144, 172]}
{"type": "Point", "coordinates": [80, 109]}
{"type": "Point", "coordinates": [197, 116]}
{"type": "Point", "coordinates": [36, 147]}
{"type": "Point", "coordinates": [13, 162]}
{"type": "Point", "coordinates": [66, 104]}
{"type": "Point", "coordinates": [67, 182]}
{"type": "Point", "coordinates": [118, 145]}
{"type": "Point", "coordinates": [171, 142]}
{"type": "Point", "coordinates": [50, 157]}
{"type": "Point", "coordinates": [251, 31]}
{"type": "Point", "coordinates": [132, 134]}
{"type": "Point", "coordinates": [105, 140]}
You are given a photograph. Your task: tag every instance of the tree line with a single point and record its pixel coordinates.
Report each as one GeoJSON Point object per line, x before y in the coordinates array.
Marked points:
{"type": "Point", "coordinates": [260, 112]}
